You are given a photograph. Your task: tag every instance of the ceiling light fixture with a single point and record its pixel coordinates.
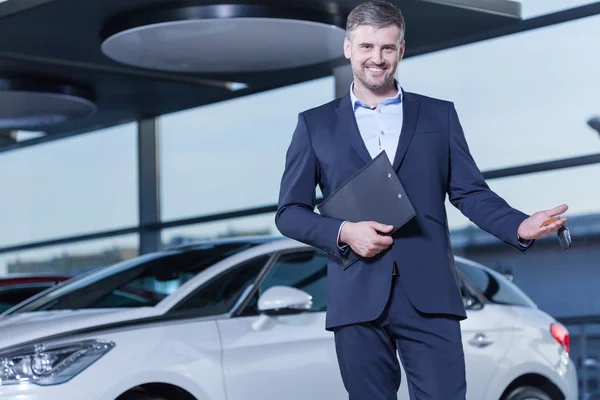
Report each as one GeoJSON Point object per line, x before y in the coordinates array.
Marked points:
{"type": "Point", "coordinates": [35, 103]}
{"type": "Point", "coordinates": [224, 38]}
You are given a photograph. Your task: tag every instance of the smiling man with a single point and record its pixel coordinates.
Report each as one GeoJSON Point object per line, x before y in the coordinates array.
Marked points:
{"type": "Point", "coordinates": [403, 294]}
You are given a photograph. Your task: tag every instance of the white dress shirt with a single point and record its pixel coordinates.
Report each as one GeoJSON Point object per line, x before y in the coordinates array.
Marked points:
{"type": "Point", "coordinates": [379, 127]}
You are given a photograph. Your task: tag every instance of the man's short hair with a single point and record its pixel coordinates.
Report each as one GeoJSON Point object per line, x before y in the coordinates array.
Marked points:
{"type": "Point", "coordinates": [376, 13]}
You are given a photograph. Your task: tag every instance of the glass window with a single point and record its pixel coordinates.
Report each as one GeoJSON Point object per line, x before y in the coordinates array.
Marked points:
{"type": "Point", "coordinates": [142, 281]}
{"type": "Point", "coordinates": [222, 293]}
{"type": "Point", "coordinates": [230, 155]}
{"type": "Point", "coordinates": [256, 225]}
{"type": "Point", "coordinates": [518, 102]}
{"type": "Point", "coordinates": [304, 270]}
{"type": "Point", "coordinates": [69, 260]}
{"type": "Point", "coordinates": [81, 184]}
{"type": "Point", "coordinates": [496, 288]}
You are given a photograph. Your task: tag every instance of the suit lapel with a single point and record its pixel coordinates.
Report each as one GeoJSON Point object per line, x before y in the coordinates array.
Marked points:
{"type": "Point", "coordinates": [345, 114]}
{"type": "Point", "coordinates": [410, 111]}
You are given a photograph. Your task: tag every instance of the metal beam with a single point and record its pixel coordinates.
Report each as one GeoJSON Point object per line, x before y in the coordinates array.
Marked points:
{"type": "Point", "coordinates": [542, 21]}
{"type": "Point", "coordinates": [32, 142]}
{"type": "Point", "coordinates": [154, 224]}
{"type": "Point", "coordinates": [119, 70]}
{"type": "Point", "coordinates": [579, 319]}
{"type": "Point", "coordinates": [149, 227]}
{"type": "Point", "coordinates": [249, 212]}
{"type": "Point", "coordinates": [148, 185]}
{"type": "Point", "coordinates": [509, 9]}
{"type": "Point", "coordinates": [69, 240]}
{"type": "Point", "coordinates": [543, 166]}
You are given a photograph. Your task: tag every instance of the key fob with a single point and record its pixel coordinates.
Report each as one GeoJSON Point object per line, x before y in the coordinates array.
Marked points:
{"type": "Point", "coordinates": [564, 237]}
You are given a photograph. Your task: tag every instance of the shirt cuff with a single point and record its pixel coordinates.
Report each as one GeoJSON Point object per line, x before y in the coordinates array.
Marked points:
{"type": "Point", "coordinates": [523, 242]}
{"type": "Point", "coordinates": [344, 246]}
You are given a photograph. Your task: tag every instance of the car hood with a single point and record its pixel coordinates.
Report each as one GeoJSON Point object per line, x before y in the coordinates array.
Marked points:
{"type": "Point", "coordinates": [27, 326]}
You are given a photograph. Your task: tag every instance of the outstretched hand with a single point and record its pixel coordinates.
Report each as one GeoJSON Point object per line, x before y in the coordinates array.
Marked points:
{"type": "Point", "coordinates": [534, 227]}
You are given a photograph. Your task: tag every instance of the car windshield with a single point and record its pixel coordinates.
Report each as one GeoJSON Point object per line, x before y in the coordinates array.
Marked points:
{"type": "Point", "coordinates": [139, 282]}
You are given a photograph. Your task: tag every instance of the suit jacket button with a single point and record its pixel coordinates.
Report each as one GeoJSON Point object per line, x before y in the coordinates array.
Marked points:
{"type": "Point", "coordinates": [389, 175]}
{"type": "Point", "coordinates": [399, 195]}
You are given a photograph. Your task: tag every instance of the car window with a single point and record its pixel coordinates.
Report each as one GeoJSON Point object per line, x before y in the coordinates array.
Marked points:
{"type": "Point", "coordinates": [220, 294]}
{"type": "Point", "coordinates": [139, 282]}
{"type": "Point", "coordinates": [305, 270]}
{"type": "Point", "coordinates": [11, 297]}
{"type": "Point", "coordinates": [495, 287]}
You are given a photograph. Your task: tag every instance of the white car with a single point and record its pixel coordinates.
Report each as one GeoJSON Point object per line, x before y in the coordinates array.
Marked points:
{"type": "Point", "coordinates": [244, 319]}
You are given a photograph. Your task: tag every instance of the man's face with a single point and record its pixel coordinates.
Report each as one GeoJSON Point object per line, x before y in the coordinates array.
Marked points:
{"type": "Point", "coordinates": [374, 54]}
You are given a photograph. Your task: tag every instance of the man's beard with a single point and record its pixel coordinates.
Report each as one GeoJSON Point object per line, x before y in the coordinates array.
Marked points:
{"type": "Point", "coordinates": [375, 83]}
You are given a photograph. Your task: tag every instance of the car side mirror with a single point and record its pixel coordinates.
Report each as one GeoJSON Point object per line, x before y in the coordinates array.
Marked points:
{"type": "Point", "coordinates": [470, 302]}
{"type": "Point", "coordinates": [279, 300]}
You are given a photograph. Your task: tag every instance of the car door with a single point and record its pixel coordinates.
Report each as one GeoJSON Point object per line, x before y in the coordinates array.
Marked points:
{"type": "Point", "coordinates": [487, 333]}
{"type": "Point", "coordinates": [291, 357]}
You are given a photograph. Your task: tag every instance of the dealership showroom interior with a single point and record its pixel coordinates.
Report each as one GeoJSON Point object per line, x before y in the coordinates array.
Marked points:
{"type": "Point", "coordinates": [161, 237]}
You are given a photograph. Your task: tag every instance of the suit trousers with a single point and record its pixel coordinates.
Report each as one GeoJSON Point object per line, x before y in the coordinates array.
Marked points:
{"type": "Point", "coordinates": [429, 346]}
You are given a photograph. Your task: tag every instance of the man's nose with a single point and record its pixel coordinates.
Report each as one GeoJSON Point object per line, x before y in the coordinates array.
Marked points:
{"type": "Point", "coordinates": [377, 57]}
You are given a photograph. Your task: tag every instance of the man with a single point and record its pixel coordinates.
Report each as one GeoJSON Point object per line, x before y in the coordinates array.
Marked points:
{"type": "Point", "coordinates": [403, 294]}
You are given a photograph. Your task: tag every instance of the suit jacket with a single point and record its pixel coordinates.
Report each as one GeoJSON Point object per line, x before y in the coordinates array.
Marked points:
{"type": "Point", "coordinates": [432, 160]}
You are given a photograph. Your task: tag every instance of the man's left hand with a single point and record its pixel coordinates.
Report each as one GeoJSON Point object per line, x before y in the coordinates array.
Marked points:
{"type": "Point", "coordinates": [532, 227]}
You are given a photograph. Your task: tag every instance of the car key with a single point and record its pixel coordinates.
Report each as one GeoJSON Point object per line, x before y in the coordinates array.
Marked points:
{"type": "Point", "coordinates": [564, 237]}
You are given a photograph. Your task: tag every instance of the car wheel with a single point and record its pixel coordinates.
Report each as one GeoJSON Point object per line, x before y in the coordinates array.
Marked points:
{"type": "Point", "coordinates": [527, 393]}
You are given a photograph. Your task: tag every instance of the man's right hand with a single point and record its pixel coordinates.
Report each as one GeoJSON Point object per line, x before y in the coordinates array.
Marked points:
{"type": "Point", "coordinates": [364, 237]}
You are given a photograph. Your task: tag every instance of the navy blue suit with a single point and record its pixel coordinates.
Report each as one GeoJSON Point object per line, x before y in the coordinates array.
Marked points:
{"type": "Point", "coordinates": [364, 301]}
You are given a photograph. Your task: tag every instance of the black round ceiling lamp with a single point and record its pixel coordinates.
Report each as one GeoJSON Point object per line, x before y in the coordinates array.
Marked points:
{"type": "Point", "coordinates": [224, 38]}
{"type": "Point", "coordinates": [34, 103]}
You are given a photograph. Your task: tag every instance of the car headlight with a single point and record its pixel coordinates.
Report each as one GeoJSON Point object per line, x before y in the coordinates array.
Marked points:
{"type": "Point", "coordinates": [50, 365]}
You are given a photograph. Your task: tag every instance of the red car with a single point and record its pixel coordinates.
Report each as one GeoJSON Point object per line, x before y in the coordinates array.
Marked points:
{"type": "Point", "coordinates": [16, 288]}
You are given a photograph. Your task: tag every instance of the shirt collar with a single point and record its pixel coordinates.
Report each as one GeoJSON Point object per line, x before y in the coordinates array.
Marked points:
{"type": "Point", "coordinates": [390, 100]}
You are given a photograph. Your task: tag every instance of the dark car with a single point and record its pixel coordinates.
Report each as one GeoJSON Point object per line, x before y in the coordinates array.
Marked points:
{"type": "Point", "coordinates": [17, 288]}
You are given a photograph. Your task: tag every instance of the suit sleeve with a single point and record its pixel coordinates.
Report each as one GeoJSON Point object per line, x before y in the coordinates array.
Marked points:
{"type": "Point", "coordinates": [469, 192]}
{"type": "Point", "coordinates": [295, 217]}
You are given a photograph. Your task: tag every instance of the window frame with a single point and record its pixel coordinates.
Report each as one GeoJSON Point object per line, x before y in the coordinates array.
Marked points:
{"type": "Point", "coordinates": [481, 297]}
{"type": "Point", "coordinates": [473, 291]}
{"type": "Point", "coordinates": [241, 309]}
{"type": "Point", "coordinates": [244, 298]}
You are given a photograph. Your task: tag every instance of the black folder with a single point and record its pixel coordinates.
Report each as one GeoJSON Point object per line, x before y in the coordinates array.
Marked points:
{"type": "Point", "coordinates": [373, 193]}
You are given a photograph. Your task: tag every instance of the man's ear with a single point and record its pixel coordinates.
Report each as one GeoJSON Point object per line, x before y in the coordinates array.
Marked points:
{"type": "Point", "coordinates": [347, 48]}
{"type": "Point", "coordinates": [402, 48]}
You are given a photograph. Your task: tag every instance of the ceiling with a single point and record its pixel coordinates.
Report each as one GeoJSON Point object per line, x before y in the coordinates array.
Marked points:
{"type": "Point", "coordinates": [60, 40]}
